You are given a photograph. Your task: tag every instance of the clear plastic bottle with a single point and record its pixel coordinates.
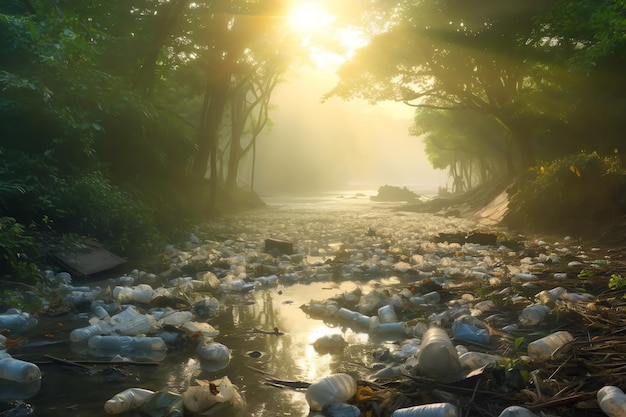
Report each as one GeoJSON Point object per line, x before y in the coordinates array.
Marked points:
{"type": "Point", "coordinates": [127, 400]}
{"type": "Point", "coordinates": [437, 356]}
{"type": "Point", "coordinates": [432, 297]}
{"type": "Point", "coordinates": [14, 319]}
{"type": "Point", "coordinates": [533, 314]}
{"type": "Point", "coordinates": [543, 348]}
{"type": "Point", "coordinates": [130, 322]}
{"type": "Point", "coordinates": [612, 401]}
{"type": "Point", "coordinates": [476, 360]}
{"type": "Point", "coordinates": [127, 343]}
{"type": "Point", "coordinates": [212, 351]}
{"type": "Point", "coordinates": [428, 410]}
{"type": "Point", "coordinates": [333, 388]}
{"type": "Point", "coordinates": [141, 293]}
{"type": "Point", "coordinates": [82, 334]}
{"type": "Point", "coordinates": [175, 318]}
{"type": "Point", "coordinates": [387, 314]}
{"type": "Point", "coordinates": [517, 411]}
{"type": "Point", "coordinates": [17, 370]}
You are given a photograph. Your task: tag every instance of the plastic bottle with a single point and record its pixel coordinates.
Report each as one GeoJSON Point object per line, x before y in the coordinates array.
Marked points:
{"type": "Point", "coordinates": [612, 401]}
{"type": "Point", "coordinates": [125, 343]}
{"type": "Point", "coordinates": [476, 360]}
{"type": "Point", "coordinates": [14, 319]}
{"type": "Point", "coordinates": [387, 314]}
{"type": "Point", "coordinates": [82, 334]}
{"type": "Point", "coordinates": [432, 297]}
{"type": "Point", "coordinates": [437, 356]}
{"type": "Point", "coordinates": [331, 389]}
{"type": "Point", "coordinates": [127, 400]}
{"type": "Point", "coordinates": [377, 327]}
{"type": "Point", "coordinates": [543, 348]}
{"type": "Point", "coordinates": [517, 411]}
{"type": "Point", "coordinates": [130, 322]}
{"type": "Point", "coordinates": [354, 316]}
{"type": "Point", "coordinates": [17, 370]}
{"type": "Point", "coordinates": [428, 410]}
{"type": "Point", "coordinates": [141, 293]}
{"type": "Point", "coordinates": [175, 318]}
{"type": "Point", "coordinates": [212, 351]}
{"type": "Point", "coordinates": [468, 333]}
{"type": "Point", "coordinates": [533, 314]}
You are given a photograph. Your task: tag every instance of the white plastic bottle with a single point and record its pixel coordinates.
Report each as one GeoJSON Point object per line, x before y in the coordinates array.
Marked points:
{"type": "Point", "coordinates": [333, 388]}
{"type": "Point", "coordinates": [517, 411]}
{"type": "Point", "coordinates": [17, 370]}
{"type": "Point", "coordinates": [130, 322]}
{"type": "Point", "coordinates": [612, 401]}
{"type": "Point", "coordinates": [127, 400]}
{"type": "Point", "coordinates": [141, 293]}
{"type": "Point", "coordinates": [82, 334]}
{"type": "Point", "coordinates": [533, 314]}
{"type": "Point", "coordinates": [428, 410]}
{"type": "Point", "coordinates": [543, 348]}
{"type": "Point", "coordinates": [437, 356]}
{"type": "Point", "coordinates": [125, 343]}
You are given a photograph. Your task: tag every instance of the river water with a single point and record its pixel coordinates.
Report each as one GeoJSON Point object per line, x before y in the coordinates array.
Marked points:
{"type": "Point", "coordinates": [381, 241]}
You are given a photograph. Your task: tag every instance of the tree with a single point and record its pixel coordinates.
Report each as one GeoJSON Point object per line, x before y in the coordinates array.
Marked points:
{"type": "Point", "coordinates": [456, 55]}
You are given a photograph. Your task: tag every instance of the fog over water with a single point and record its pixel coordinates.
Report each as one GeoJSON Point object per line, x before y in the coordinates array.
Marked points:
{"type": "Point", "coordinates": [336, 145]}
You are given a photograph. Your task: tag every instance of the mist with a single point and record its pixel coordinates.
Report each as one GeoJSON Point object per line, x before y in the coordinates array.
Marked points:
{"type": "Point", "coordinates": [336, 145]}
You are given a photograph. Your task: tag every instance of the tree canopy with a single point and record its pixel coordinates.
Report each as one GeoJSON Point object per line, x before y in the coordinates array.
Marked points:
{"type": "Point", "coordinates": [543, 70]}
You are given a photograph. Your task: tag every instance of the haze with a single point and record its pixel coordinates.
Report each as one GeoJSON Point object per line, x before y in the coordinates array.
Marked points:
{"type": "Point", "coordinates": [336, 145]}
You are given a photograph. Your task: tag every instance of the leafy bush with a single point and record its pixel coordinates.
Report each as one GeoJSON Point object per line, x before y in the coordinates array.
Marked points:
{"type": "Point", "coordinates": [35, 193]}
{"type": "Point", "coordinates": [576, 193]}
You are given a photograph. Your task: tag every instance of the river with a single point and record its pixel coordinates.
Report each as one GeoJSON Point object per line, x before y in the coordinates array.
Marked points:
{"type": "Point", "coordinates": [382, 243]}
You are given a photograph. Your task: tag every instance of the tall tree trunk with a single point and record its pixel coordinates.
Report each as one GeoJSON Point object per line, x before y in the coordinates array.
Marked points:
{"type": "Point", "coordinates": [167, 16]}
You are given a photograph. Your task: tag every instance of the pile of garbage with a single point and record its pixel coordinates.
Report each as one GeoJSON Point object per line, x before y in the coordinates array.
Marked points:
{"type": "Point", "coordinates": [505, 329]}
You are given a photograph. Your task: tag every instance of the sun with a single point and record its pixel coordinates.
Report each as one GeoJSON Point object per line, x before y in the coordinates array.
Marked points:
{"type": "Point", "coordinates": [309, 17]}
{"type": "Point", "coordinates": [311, 21]}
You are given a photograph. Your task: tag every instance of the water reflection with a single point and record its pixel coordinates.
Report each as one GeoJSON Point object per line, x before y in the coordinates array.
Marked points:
{"type": "Point", "coordinates": [246, 325]}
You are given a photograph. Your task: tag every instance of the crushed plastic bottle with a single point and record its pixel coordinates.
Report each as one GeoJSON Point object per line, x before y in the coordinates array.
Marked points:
{"type": "Point", "coordinates": [130, 322]}
{"type": "Point", "coordinates": [469, 333]}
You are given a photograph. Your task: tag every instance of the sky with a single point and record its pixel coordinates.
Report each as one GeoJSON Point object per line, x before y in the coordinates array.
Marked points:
{"type": "Point", "coordinates": [338, 144]}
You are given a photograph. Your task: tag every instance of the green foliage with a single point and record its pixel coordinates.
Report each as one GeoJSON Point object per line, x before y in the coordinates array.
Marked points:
{"type": "Point", "coordinates": [16, 249]}
{"type": "Point", "coordinates": [617, 282]}
{"type": "Point", "coordinates": [576, 193]}
{"type": "Point", "coordinates": [85, 203]}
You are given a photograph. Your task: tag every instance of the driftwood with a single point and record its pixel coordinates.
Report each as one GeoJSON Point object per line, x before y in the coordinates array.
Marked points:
{"type": "Point", "coordinates": [83, 363]}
